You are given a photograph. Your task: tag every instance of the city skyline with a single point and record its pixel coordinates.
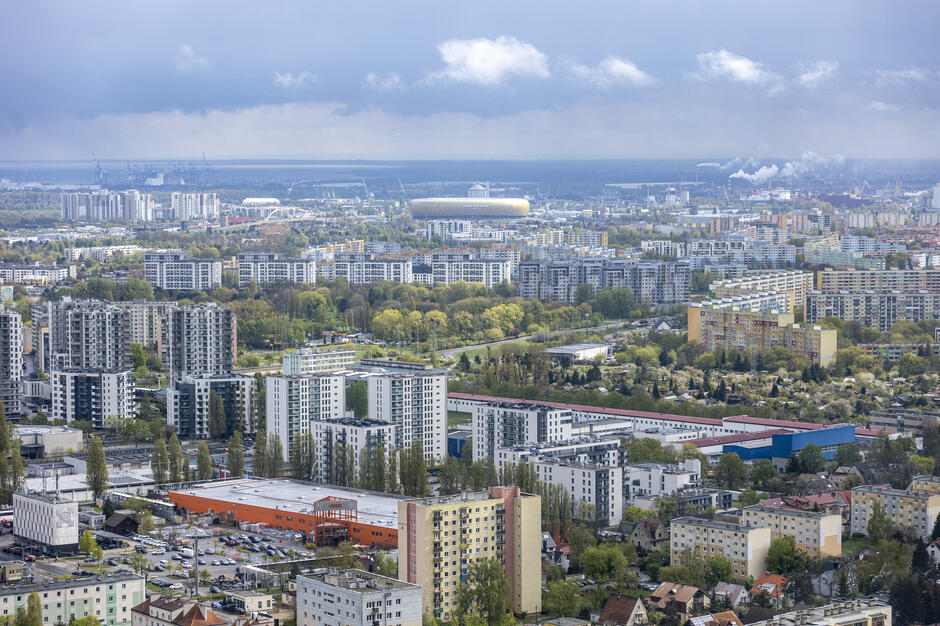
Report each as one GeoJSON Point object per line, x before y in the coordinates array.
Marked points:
{"type": "Point", "coordinates": [487, 81]}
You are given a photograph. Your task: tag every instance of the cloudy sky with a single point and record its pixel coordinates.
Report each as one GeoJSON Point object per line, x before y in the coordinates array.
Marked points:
{"type": "Point", "coordinates": [469, 79]}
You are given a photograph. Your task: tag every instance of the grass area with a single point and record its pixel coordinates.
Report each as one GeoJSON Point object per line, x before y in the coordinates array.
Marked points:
{"type": "Point", "coordinates": [853, 545]}
{"type": "Point", "coordinates": [455, 418]}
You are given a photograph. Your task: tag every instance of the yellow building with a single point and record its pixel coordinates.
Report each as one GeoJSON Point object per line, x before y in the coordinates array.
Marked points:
{"type": "Point", "coordinates": [814, 533]}
{"type": "Point", "coordinates": [439, 538]}
{"type": "Point", "coordinates": [745, 546]}
{"type": "Point", "coordinates": [751, 329]}
{"type": "Point", "coordinates": [915, 508]}
{"type": "Point", "coordinates": [588, 238]}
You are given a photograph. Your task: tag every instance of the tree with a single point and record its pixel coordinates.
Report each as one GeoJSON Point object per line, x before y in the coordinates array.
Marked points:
{"type": "Point", "coordinates": [357, 399]}
{"type": "Point", "coordinates": [12, 467]}
{"type": "Point", "coordinates": [160, 462]}
{"type": "Point", "coordinates": [812, 459]}
{"type": "Point", "coordinates": [261, 455]}
{"type": "Point", "coordinates": [33, 610]}
{"type": "Point", "coordinates": [303, 456]}
{"type": "Point", "coordinates": [203, 462]}
{"type": "Point", "coordinates": [604, 562]}
{"type": "Point", "coordinates": [730, 470]}
{"type": "Point", "coordinates": [414, 470]}
{"type": "Point", "coordinates": [96, 467]}
{"type": "Point", "coordinates": [175, 456]}
{"type": "Point", "coordinates": [217, 424]}
{"type": "Point", "coordinates": [719, 569]}
{"type": "Point", "coordinates": [144, 522]}
{"type": "Point", "coordinates": [385, 565]}
{"type": "Point", "coordinates": [236, 455]}
{"type": "Point", "coordinates": [847, 454]}
{"type": "Point", "coordinates": [562, 599]}
{"type": "Point", "coordinates": [842, 584]}
{"type": "Point", "coordinates": [484, 593]}
{"type": "Point", "coordinates": [87, 543]}
{"type": "Point", "coordinates": [782, 556]}
{"type": "Point", "coordinates": [878, 522]}
{"type": "Point", "coordinates": [275, 461]}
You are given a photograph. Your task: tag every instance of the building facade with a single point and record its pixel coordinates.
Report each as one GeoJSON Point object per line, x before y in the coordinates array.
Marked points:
{"type": "Point", "coordinates": [745, 546]}
{"type": "Point", "coordinates": [295, 402]}
{"type": "Point", "coordinates": [11, 360]}
{"type": "Point", "coordinates": [88, 335]}
{"type": "Point", "coordinates": [199, 340]}
{"type": "Point", "coordinates": [354, 437]}
{"type": "Point", "coordinates": [914, 508]}
{"type": "Point", "coordinates": [179, 271]}
{"type": "Point", "coordinates": [312, 361]}
{"type": "Point", "coordinates": [499, 425]}
{"type": "Point", "coordinates": [795, 283]}
{"type": "Point", "coordinates": [816, 534]}
{"type": "Point", "coordinates": [878, 310]}
{"type": "Point", "coordinates": [439, 538]}
{"type": "Point", "coordinates": [189, 406]}
{"type": "Point", "coordinates": [268, 267]}
{"type": "Point", "coordinates": [417, 405]}
{"type": "Point", "coordinates": [45, 524]}
{"type": "Point", "coordinates": [108, 598]}
{"type": "Point", "coordinates": [98, 397]}
{"type": "Point", "coordinates": [589, 485]}
{"type": "Point", "coordinates": [344, 597]}
{"type": "Point", "coordinates": [652, 282]}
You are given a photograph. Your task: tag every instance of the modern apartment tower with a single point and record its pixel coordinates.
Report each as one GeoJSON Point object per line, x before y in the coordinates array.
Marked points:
{"type": "Point", "coordinates": [294, 403]}
{"type": "Point", "coordinates": [11, 360]}
{"type": "Point", "coordinates": [416, 404]}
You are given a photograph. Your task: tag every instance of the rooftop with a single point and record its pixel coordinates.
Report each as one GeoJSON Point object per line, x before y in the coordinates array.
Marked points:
{"type": "Point", "coordinates": [710, 523]}
{"type": "Point", "coordinates": [762, 508]}
{"type": "Point", "coordinates": [72, 582]}
{"type": "Point", "coordinates": [375, 508]}
{"type": "Point", "coordinates": [358, 580]}
{"type": "Point", "coordinates": [457, 498]}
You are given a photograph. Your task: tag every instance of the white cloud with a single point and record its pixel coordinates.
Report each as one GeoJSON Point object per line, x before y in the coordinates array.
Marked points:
{"type": "Point", "coordinates": [289, 81]}
{"type": "Point", "coordinates": [737, 68]}
{"type": "Point", "coordinates": [762, 175]}
{"type": "Point", "coordinates": [811, 163]}
{"type": "Point", "coordinates": [814, 74]}
{"type": "Point", "coordinates": [708, 164]}
{"type": "Point", "coordinates": [893, 77]}
{"type": "Point", "coordinates": [611, 71]}
{"type": "Point", "coordinates": [878, 105]}
{"type": "Point", "coordinates": [187, 59]}
{"type": "Point", "coordinates": [389, 82]}
{"type": "Point", "coordinates": [489, 61]}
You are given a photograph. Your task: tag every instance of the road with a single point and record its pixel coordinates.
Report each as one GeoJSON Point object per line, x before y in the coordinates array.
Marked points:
{"type": "Point", "coordinates": [447, 354]}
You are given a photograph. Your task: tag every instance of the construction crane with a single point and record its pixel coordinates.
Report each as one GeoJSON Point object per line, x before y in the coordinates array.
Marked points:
{"type": "Point", "coordinates": [366, 188]}
{"type": "Point", "coordinates": [99, 173]}
{"type": "Point", "coordinates": [404, 196]}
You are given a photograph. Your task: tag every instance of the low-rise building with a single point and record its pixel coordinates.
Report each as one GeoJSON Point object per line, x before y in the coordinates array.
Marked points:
{"type": "Point", "coordinates": [745, 546]}
{"type": "Point", "coordinates": [657, 479]}
{"type": "Point", "coordinates": [857, 612]}
{"type": "Point", "coordinates": [312, 361]}
{"type": "Point", "coordinates": [341, 597]}
{"type": "Point", "coordinates": [108, 597]}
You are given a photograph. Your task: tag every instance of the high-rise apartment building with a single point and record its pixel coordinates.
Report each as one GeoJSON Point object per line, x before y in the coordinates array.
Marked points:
{"type": "Point", "coordinates": [295, 402]}
{"type": "Point", "coordinates": [88, 335]}
{"type": "Point", "coordinates": [745, 546]}
{"type": "Point", "coordinates": [189, 404]}
{"type": "Point", "coordinates": [106, 206]}
{"type": "Point", "coordinates": [593, 238]}
{"type": "Point", "coordinates": [815, 533]}
{"type": "Point", "coordinates": [94, 396]}
{"type": "Point", "coordinates": [363, 269]}
{"type": "Point", "coordinates": [357, 439]}
{"type": "Point", "coordinates": [652, 282]}
{"type": "Point", "coordinates": [11, 360]}
{"type": "Point", "coordinates": [597, 487]}
{"type": "Point", "coordinates": [879, 281]}
{"type": "Point", "coordinates": [914, 509]}
{"type": "Point", "coordinates": [874, 309]}
{"type": "Point", "coordinates": [795, 283]}
{"type": "Point", "coordinates": [417, 405]}
{"type": "Point", "coordinates": [178, 270]}
{"type": "Point", "coordinates": [199, 340]}
{"type": "Point", "coordinates": [194, 206]}
{"type": "Point", "coordinates": [508, 424]}
{"type": "Point", "coordinates": [268, 267]}
{"type": "Point", "coordinates": [439, 538]}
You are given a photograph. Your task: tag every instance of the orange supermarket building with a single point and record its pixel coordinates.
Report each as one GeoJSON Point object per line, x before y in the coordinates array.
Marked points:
{"type": "Point", "coordinates": [325, 514]}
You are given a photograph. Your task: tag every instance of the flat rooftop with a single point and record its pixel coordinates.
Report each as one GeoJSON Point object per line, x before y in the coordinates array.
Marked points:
{"type": "Point", "coordinates": [358, 580]}
{"type": "Point", "coordinates": [296, 496]}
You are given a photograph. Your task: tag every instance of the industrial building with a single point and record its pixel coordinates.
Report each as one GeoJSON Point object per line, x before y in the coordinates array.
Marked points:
{"type": "Point", "coordinates": [325, 514]}
{"type": "Point", "coordinates": [579, 352]}
{"type": "Point", "coordinates": [500, 523]}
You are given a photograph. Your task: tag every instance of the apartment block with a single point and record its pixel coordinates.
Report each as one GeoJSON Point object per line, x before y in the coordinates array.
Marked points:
{"type": "Point", "coordinates": [795, 283]}
{"type": "Point", "coordinates": [109, 598]}
{"type": "Point", "coordinates": [340, 597]}
{"type": "Point", "coordinates": [312, 361]}
{"type": "Point", "coordinates": [11, 360]}
{"type": "Point", "coordinates": [178, 270]}
{"type": "Point", "coordinates": [844, 612]}
{"type": "Point", "coordinates": [268, 267]}
{"type": "Point", "coordinates": [102, 254]}
{"type": "Point", "coordinates": [45, 524]}
{"type": "Point", "coordinates": [899, 420]}
{"type": "Point", "coordinates": [488, 272]}
{"type": "Point", "coordinates": [750, 330]}
{"type": "Point", "coordinates": [362, 436]}
{"type": "Point", "coordinates": [199, 340]}
{"type": "Point", "coordinates": [364, 269]}
{"type": "Point", "coordinates": [595, 449]}
{"type": "Point", "coordinates": [589, 485]}
{"type": "Point", "coordinates": [106, 206]}
{"type": "Point", "coordinates": [15, 274]}
{"type": "Point", "coordinates": [874, 309]}
{"type": "Point", "coordinates": [745, 546]}
{"type": "Point", "coordinates": [416, 404]}
{"type": "Point", "coordinates": [92, 396]}
{"type": "Point", "coordinates": [879, 281]}
{"type": "Point", "coordinates": [194, 206]}
{"type": "Point", "coordinates": [499, 425]}
{"type": "Point", "coordinates": [652, 282]}
{"type": "Point", "coordinates": [295, 402]}
{"type": "Point", "coordinates": [188, 403]}
{"type": "Point", "coordinates": [439, 539]}
{"type": "Point", "coordinates": [659, 479]}
{"type": "Point", "coordinates": [88, 335]}
{"type": "Point", "coordinates": [593, 238]}
{"type": "Point", "coordinates": [815, 533]}
{"type": "Point", "coordinates": [914, 508]}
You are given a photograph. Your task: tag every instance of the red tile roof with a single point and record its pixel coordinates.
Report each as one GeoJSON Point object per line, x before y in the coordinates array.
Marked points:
{"type": "Point", "coordinates": [199, 616]}
{"type": "Point", "coordinates": [778, 582]}
{"type": "Point", "coordinates": [619, 609]}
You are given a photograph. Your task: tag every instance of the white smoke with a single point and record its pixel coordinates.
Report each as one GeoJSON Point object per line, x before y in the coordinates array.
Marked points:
{"type": "Point", "coordinates": [708, 164]}
{"type": "Point", "coordinates": [739, 162]}
{"type": "Point", "coordinates": [810, 164]}
{"type": "Point", "coordinates": [762, 175]}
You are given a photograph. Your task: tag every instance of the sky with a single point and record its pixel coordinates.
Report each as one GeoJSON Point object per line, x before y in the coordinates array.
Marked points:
{"type": "Point", "coordinates": [469, 79]}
